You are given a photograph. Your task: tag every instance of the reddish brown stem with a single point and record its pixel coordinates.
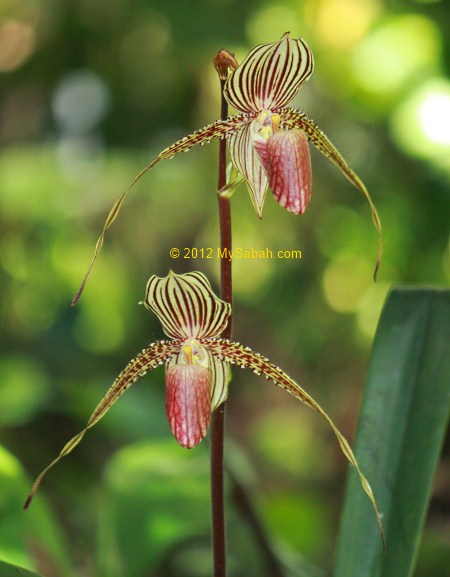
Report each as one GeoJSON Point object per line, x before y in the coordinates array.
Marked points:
{"type": "Point", "coordinates": [218, 417]}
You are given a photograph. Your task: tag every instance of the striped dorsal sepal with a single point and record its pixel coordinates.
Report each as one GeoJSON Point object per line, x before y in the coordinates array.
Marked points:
{"type": "Point", "coordinates": [186, 306]}
{"type": "Point", "coordinates": [270, 75]}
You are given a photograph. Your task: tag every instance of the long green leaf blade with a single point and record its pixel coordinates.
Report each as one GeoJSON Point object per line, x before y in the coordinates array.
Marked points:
{"type": "Point", "coordinates": [8, 570]}
{"type": "Point", "coordinates": [400, 434]}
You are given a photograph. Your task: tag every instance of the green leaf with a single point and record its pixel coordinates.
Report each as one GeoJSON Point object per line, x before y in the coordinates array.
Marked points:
{"type": "Point", "coordinates": [27, 536]}
{"type": "Point", "coordinates": [7, 570]}
{"type": "Point", "coordinates": [400, 434]}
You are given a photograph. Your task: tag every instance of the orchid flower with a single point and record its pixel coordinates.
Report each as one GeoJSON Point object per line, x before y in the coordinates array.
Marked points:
{"type": "Point", "coordinates": [197, 365]}
{"type": "Point", "coordinates": [268, 142]}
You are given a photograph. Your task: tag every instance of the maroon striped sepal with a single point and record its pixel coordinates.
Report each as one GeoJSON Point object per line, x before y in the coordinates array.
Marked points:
{"type": "Point", "coordinates": [270, 75]}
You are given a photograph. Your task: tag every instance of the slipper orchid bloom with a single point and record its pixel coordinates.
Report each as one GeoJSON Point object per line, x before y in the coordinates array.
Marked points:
{"type": "Point", "coordinates": [268, 142]}
{"type": "Point", "coordinates": [197, 365]}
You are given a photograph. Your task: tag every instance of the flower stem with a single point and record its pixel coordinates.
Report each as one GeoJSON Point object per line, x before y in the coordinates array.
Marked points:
{"type": "Point", "coordinates": [218, 417]}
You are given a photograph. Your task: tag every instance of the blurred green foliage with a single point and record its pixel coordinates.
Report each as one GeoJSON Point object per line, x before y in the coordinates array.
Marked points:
{"type": "Point", "coordinates": [91, 91]}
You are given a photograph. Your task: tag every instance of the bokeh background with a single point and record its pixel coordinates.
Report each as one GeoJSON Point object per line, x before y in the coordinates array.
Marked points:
{"type": "Point", "coordinates": [91, 91]}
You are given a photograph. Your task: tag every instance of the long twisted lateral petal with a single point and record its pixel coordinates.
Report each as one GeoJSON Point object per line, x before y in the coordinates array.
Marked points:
{"type": "Point", "coordinates": [235, 353]}
{"type": "Point", "coordinates": [154, 355]}
{"type": "Point", "coordinates": [219, 129]}
{"type": "Point", "coordinates": [291, 118]}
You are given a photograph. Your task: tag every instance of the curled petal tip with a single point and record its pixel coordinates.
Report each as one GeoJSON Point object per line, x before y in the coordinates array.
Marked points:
{"type": "Point", "coordinates": [375, 272]}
